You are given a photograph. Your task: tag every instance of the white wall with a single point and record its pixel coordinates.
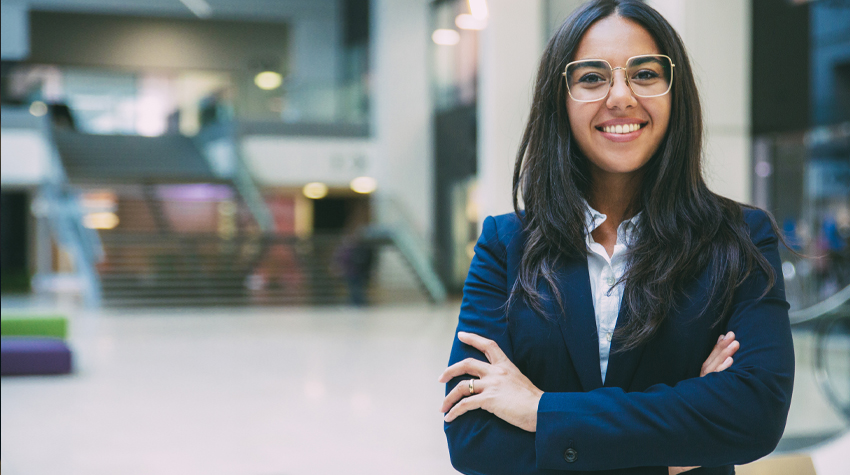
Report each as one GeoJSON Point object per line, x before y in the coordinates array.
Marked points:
{"type": "Point", "coordinates": [25, 157]}
{"type": "Point", "coordinates": [292, 162]}
{"type": "Point", "coordinates": [510, 51]}
{"type": "Point", "coordinates": [316, 39]}
{"type": "Point", "coordinates": [717, 35]}
{"type": "Point", "coordinates": [401, 107]}
{"type": "Point", "coordinates": [14, 30]}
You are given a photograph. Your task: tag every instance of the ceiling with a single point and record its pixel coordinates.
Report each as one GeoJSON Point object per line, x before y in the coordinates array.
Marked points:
{"type": "Point", "coordinates": [267, 10]}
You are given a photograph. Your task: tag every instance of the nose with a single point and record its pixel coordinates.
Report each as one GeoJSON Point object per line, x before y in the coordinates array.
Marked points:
{"type": "Point", "coordinates": [620, 95]}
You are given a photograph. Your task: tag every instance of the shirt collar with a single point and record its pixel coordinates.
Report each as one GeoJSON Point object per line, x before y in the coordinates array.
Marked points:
{"type": "Point", "coordinates": [593, 219]}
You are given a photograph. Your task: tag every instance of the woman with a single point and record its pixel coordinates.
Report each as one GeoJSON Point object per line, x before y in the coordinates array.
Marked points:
{"type": "Point", "coordinates": [589, 317]}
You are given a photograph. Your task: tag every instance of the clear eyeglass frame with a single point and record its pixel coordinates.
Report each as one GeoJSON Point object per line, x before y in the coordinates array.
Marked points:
{"type": "Point", "coordinates": [611, 83]}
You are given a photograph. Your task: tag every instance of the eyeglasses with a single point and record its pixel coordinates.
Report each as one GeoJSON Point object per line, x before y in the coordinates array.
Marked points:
{"type": "Point", "coordinates": [648, 75]}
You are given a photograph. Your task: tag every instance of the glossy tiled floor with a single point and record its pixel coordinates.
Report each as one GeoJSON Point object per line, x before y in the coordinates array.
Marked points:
{"type": "Point", "coordinates": [262, 392]}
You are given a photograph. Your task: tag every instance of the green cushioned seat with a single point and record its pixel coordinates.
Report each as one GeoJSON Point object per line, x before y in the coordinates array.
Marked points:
{"type": "Point", "coordinates": [48, 326]}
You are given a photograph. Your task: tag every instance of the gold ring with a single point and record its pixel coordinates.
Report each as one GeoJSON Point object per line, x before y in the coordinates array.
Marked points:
{"type": "Point", "coordinates": [471, 386]}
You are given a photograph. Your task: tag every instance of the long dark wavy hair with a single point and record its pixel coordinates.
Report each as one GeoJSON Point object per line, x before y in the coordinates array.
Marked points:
{"type": "Point", "coordinates": [684, 230]}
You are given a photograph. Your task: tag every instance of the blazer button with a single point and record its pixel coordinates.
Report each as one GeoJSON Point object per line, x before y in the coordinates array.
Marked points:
{"type": "Point", "coordinates": [570, 455]}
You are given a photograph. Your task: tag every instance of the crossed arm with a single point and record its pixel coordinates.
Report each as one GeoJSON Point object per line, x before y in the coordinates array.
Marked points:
{"type": "Point", "coordinates": [500, 388]}
{"type": "Point", "coordinates": [732, 415]}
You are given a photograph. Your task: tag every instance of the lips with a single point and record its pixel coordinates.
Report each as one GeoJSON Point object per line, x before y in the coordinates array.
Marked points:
{"type": "Point", "coordinates": [621, 130]}
{"type": "Point", "coordinates": [620, 126]}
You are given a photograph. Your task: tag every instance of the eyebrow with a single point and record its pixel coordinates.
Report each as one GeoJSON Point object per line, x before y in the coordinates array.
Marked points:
{"type": "Point", "coordinates": [597, 58]}
{"type": "Point", "coordinates": [594, 62]}
{"type": "Point", "coordinates": [647, 59]}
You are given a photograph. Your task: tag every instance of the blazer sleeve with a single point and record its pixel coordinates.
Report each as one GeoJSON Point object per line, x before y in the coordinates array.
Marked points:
{"type": "Point", "coordinates": [731, 417]}
{"type": "Point", "coordinates": [479, 442]}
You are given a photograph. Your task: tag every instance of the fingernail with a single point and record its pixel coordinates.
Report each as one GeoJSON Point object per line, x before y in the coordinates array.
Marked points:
{"type": "Point", "coordinates": [720, 338]}
{"type": "Point", "coordinates": [461, 333]}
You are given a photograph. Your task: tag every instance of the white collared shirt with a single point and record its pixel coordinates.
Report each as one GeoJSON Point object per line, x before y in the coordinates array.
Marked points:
{"type": "Point", "coordinates": [604, 272]}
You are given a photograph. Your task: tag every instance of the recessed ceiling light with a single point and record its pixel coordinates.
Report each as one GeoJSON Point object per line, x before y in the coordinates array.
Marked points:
{"type": "Point", "coordinates": [315, 190]}
{"type": "Point", "coordinates": [479, 9]}
{"type": "Point", "coordinates": [38, 108]}
{"type": "Point", "coordinates": [268, 80]}
{"type": "Point", "coordinates": [465, 21]}
{"type": "Point", "coordinates": [446, 37]}
{"type": "Point", "coordinates": [364, 184]}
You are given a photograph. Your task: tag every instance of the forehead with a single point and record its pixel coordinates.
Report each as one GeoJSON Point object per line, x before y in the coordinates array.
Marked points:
{"type": "Point", "coordinates": [615, 39]}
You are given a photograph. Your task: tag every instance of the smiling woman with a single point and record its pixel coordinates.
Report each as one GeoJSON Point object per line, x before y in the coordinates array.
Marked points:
{"type": "Point", "coordinates": [599, 323]}
{"type": "Point", "coordinates": [609, 102]}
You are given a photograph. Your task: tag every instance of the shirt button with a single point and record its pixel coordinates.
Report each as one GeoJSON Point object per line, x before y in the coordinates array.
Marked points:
{"type": "Point", "coordinates": [608, 336]}
{"type": "Point", "coordinates": [570, 455]}
{"type": "Point", "coordinates": [610, 280]}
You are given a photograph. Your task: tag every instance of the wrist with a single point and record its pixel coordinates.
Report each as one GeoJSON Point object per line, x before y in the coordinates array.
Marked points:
{"type": "Point", "coordinates": [533, 422]}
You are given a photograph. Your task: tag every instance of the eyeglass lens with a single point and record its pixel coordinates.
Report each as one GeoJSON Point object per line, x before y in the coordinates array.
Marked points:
{"type": "Point", "coordinates": [647, 76]}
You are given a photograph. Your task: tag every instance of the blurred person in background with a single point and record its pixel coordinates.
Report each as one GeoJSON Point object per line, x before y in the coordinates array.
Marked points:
{"type": "Point", "coordinates": [598, 323]}
{"type": "Point", "coordinates": [353, 260]}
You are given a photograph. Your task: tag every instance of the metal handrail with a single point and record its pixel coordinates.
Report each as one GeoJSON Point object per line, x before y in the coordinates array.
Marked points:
{"type": "Point", "coordinates": [65, 216]}
{"type": "Point", "coordinates": [822, 308]}
{"type": "Point", "coordinates": [822, 376]}
{"type": "Point", "coordinates": [416, 257]}
{"type": "Point", "coordinates": [225, 134]}
{"type": "Point", "coordinates": [827, 313]}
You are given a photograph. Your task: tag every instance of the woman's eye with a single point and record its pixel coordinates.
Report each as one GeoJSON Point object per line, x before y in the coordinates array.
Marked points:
{"type": "Point", "coordinates": [592, 78]}
{"type": "Point", "coordinates": [645, 75]}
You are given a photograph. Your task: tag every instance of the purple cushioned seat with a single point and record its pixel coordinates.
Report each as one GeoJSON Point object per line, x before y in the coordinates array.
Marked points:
{"type": "Point", "coordinates": [32, 356]}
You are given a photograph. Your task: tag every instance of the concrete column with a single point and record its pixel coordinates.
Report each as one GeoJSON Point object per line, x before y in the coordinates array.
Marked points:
{"type": "Point", "coordinates": [317, 44]}
{"type": "Point", "coordinates": [721, 63]}
{"type": "Point", "coordinates": [510, 50]}
{"type": "Point", "coordinates": [400, 93]}
{"type": "Point", "coordinates": [15, 30]}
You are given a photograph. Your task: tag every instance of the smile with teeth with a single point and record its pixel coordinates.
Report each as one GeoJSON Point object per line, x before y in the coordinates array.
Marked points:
{"type": "Point", "coordinates": [620, 129]}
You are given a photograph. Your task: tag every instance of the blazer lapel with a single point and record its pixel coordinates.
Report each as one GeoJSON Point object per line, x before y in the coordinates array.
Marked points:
{"type": "Point", "coordinates": [578, 326]}
{"type": "Point", "coordinates": [622, 364]}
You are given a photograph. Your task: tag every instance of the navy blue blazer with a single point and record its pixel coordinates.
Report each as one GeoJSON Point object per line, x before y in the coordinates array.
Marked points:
{"type": "Point", "coordinates": [654, 410]}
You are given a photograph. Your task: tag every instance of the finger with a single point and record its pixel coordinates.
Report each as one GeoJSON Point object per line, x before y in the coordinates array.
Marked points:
{"type": "Point", "coordinates": [459, 392]}
{"type": "Point", "coordinates": [717, 355]}
{"type": "Point", "coordinates": [721, 357]}
{"type": "Point", "coordinates": [678, 470]}
{"type": "Point", "coordinates": [469, 366]}
{"type": "Point", "coordinates": [456, 394]}
{"type": "Point", "coordinates": [489, 347]}
{"type": "Point", "coordinates": [714, 352]}
{"type": "Point", "coordinates": [721, 365]}
{"type": "Point", "coordinates": [722, 342]}
{"type": "Point", "coordinates": [730, 350]}
{"type": "Point", "coordinates": [464, 406]}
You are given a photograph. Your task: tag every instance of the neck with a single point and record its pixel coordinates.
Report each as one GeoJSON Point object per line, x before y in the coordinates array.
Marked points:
{"type": "Point", "coordinates": [614, 195]}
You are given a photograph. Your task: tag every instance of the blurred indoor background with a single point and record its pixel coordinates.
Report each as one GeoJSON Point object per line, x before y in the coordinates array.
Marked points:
{"type": "Point", "coordinates": [234, 232]}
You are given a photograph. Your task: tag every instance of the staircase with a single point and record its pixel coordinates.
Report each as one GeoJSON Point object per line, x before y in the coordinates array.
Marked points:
{"type": "Point", "coordinates": [173, 250]}
{"type": "Point", "coordinates": [205, 269]}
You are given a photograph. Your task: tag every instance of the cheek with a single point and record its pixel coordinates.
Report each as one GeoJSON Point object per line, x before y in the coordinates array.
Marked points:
{"type": "Point", "coordinates": [579, 122]}
{"type": "Point", "coordinates": [661, 116]}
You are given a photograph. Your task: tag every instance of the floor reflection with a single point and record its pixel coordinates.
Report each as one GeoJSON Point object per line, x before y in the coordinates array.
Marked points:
{"type": "Point", "coordinates": [273, 392]}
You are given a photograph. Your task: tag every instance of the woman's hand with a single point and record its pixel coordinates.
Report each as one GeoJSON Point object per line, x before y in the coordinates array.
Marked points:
{"type": "Point", "coordinates": [719, 359]}
{"type": "Point", "coordinates": [721, 356]}
{"type": "Point", "coordinates": [500, 388]}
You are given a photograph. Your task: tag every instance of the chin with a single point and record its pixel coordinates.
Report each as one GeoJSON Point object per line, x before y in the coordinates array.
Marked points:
{"type": "Point", "coordinates": [622, 167]}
